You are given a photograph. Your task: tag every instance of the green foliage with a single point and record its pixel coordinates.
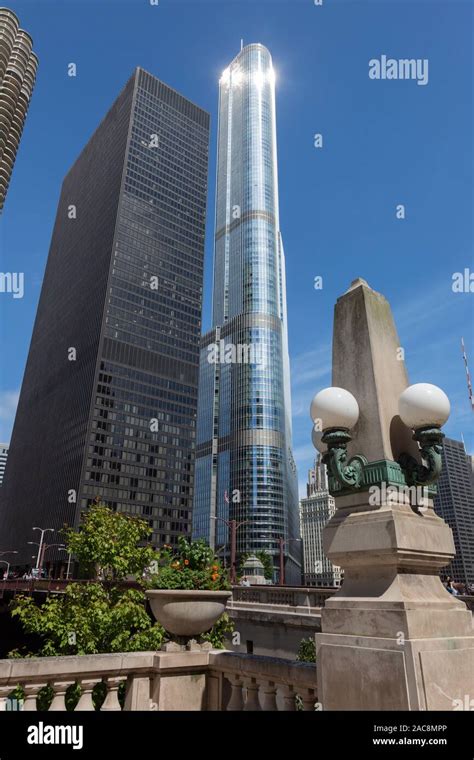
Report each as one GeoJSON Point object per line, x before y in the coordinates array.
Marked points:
{"type": "Point", "coordinates": [218, 633]}
{"type": "Point", "coordinates": [43, 699]}
{"type": "Point", "coordinates": [72, 696]}
{"type": "Point", "coordinates": [107, 543]}
{"type": "Point", "coordinates": [191, 566]}
{"type": "Point", "coordinates": [89, 619]}
{"type": "Point", "coordinates": [267, 562]}
{"type": "Point", "coordinates": [307, 651]}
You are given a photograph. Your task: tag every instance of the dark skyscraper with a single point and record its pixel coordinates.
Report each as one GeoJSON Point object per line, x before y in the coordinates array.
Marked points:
{"type": "Point", "coordinates": [108, 403]}
{"type": "Point", "coordinates": [454, 502]}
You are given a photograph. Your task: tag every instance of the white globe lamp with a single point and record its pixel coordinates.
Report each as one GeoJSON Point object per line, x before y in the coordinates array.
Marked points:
{"type": "Point", "coordinates": [334, 408]}
{"type": "Point", "coordinates": [423, 405]}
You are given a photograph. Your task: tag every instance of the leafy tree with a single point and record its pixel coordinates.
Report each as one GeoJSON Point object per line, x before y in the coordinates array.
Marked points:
{"type": "Point", "coordinates": [98, 617]}
{"type": "Point", "coordinates": [218, 633]}
{"type": "Point", "coordinates": [89, 619]}
{"type": "Point", "coordinates": [107, 543]}
{"type": "Point", "coordinates": [307, 651]}
{"type": "Point", "coordinates": [267, 561]}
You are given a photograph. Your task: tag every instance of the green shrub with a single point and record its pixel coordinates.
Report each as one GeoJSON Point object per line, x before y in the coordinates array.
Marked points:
{"type": "Point", "coordinates": [191, 566]}
{"type": "Point", "coordinates": [89, 619]}
{"type": "Point", "coordinates": [307, 651]}
{"type": "Point", "coordinates": [218, 633]}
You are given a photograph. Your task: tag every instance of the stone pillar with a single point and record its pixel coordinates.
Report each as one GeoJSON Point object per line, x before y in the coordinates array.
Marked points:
{"type": "Point", "coordinates": [392, 638]}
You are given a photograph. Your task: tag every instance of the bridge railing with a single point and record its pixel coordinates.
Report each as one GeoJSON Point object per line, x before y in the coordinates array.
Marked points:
{"type": "Point", "coordinates": [289, 596]}
{"type": "Point", "coordinates": [188, 680]}
{"type": "Point", "coordinates": [261, 683]}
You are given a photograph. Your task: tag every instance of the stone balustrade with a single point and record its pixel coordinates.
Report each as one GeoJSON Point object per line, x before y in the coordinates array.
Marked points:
{"type": "Point", "coordinates": [251, 682]}
{"type": "Point", "coordinates": [187, 680]}
{"type": "Point", "coordinates": [289, 596]}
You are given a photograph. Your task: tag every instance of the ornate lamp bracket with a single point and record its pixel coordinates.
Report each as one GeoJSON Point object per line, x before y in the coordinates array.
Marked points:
{"type": "Point", "coordinates": [349, 474]}
{"type": "Point", "coordinates": [430, 441]}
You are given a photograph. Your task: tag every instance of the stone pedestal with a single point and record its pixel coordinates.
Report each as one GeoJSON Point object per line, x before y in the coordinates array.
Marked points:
{"type": "Point", "coordinates": [392, 638]}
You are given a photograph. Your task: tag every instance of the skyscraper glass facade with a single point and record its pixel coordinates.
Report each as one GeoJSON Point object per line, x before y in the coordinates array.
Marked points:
{"type": "Point", "coordinates": [3, 460]}
{"type": "Point", "coordinates": [109, 398]}
{"type": "Point", "coordinates": [244, 467]}
{"type": "Point", "coordinates": [454, 502]}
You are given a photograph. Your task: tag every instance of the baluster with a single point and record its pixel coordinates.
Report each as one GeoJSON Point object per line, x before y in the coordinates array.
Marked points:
{"type": "Point", "coordinates": [288, 697]}
{"type": "Point", "coordinates": [252, 702]}
{"type": "Point", "coordinates": [85, 703]}
{"type": "Point", "coordinates": [111, 701]}
{"type": "Point", "coordinates": [236, 701]}
{"type": "Point", "coordinates": [59, 699]}
{"type": "Point", "coordinates": [308, 698]}
{"type": "Point", "coordinates": [269, 692]}
{"type": "Point", "coordinates": [31, 692]}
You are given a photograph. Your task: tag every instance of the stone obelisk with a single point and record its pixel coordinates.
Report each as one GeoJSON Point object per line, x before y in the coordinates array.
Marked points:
{"type": "Point", "coordinates": [392, 638]}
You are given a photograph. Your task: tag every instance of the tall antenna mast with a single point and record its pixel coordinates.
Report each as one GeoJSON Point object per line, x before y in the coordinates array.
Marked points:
{"type": "Point", "coordinates": [468, 376]}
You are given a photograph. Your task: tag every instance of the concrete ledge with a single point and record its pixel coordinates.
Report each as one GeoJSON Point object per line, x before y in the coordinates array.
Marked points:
{"type": "Point", "coordinates": [273, 608]}
{"type": "Point", "coordinates": [77, 666]}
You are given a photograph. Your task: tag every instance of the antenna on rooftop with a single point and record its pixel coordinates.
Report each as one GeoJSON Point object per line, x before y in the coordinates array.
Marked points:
{"type": "Point", "coordinates": [468, 376]}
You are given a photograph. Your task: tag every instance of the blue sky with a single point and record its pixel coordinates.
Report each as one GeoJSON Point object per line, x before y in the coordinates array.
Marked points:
{"type": "Point", "coordinates": [384, 143]}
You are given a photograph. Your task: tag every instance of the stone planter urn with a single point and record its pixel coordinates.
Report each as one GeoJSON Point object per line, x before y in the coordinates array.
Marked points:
{"type": "Point", "coordinates": [187, 613]}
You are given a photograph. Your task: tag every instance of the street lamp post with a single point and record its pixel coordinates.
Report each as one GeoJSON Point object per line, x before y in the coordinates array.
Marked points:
{"type": "Point", "coordinates": [61, 548]}
{"type": "Point", "coordinates": [422, 407]}
{"type": "Point", "coordinates": [68, 565]}
{"type": "Point", "coordinates": [233, 526]}
{"type": "Point", "coordinates": [9, 551]}
{"type": "Point", "coordinates": [39, 558]}
{"type": "Point", "coordinates": [222, 550]}
{"type": "Point", "coordinates": [4, 562]}
{"type": "Point", "coordinates": [44, 549]}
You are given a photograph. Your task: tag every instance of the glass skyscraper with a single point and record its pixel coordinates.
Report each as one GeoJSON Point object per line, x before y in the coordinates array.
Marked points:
{"type": "Point", "coordinates": [109, 398]}
{"type": "Point", "coordinates": [454, 502]}
{"type": "Point", "coordinates": [3, 460]}
{"type": "Point", "coordinates": [244, 465]}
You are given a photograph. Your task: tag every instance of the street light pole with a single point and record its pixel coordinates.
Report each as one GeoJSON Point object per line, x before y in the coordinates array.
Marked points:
{"type": "Point", "coordinates": [68, 565]}
{"type": "Point", "coordinates": [39, 558]}
{"type": "Point", "coordinates": [233, 526]}
{"type": "Point", "coordinates": [62, 548]}
{"type": "Point", "coordinates": [10, 551]}
{"type": "Point", "coordinates": [4, 562]}
{"type": "Point", "coordinates": [233, 551]}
